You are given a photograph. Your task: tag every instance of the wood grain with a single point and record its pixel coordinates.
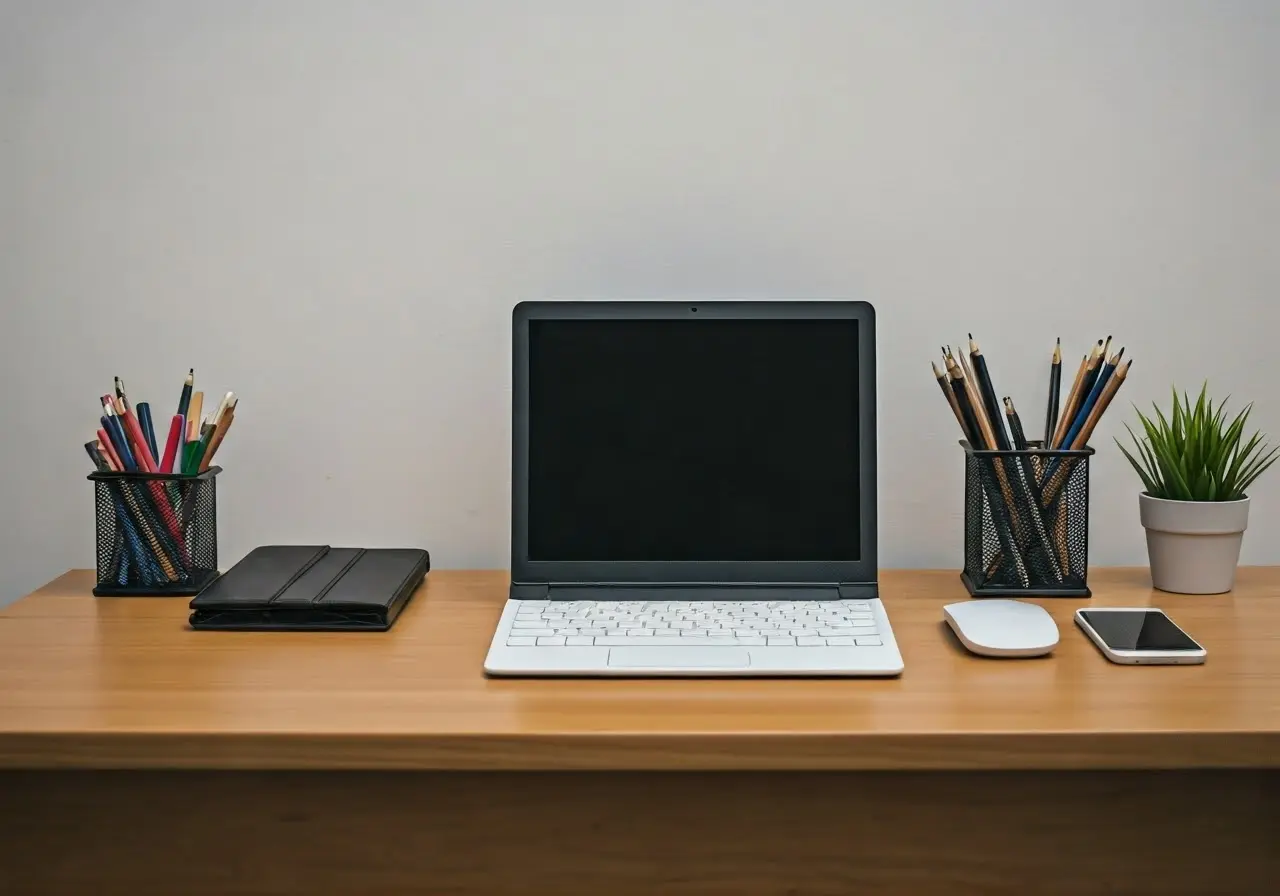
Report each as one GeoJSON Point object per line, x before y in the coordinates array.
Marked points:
{"type": "Point", "coordinates": [123, 683]}
{"type": "Point", "coordinates": [682, 834]}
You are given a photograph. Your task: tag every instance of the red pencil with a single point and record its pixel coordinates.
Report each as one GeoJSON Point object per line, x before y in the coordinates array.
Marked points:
{"type": "Point", "coordinates": [141, 451]}
{"type": "Point", "coordinates": [108, 451]}
{"type": "Point", "coordinates": [176, 427]}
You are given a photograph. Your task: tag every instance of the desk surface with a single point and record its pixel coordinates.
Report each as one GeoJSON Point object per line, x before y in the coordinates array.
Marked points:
{"type": "Point", "coordinates": [123, 683]}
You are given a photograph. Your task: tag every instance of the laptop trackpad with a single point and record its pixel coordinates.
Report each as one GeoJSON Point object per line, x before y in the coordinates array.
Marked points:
{"type": "Point", "coordinates": [679, 658]}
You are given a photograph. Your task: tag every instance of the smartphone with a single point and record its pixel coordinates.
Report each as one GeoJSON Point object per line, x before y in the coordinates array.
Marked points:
{"type": "Point", "coordinates": [1138, 635]}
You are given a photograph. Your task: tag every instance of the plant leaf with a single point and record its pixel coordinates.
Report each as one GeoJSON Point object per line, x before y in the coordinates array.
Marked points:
{"type": "Point", "coordinates": [1197, 452]}
{"type": "Point", "coordinates": [1149, 485]}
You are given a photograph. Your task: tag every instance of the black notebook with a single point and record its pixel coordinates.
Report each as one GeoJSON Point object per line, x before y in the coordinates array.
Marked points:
{"type": "Point", "coordinates": [312, 588]}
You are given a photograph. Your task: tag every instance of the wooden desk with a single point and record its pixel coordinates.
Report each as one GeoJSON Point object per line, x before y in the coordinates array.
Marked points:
{"type": "Point", "coordinates": [387, 763]}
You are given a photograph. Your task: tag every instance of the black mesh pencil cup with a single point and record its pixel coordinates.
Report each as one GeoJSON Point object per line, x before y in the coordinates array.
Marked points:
{"type": "Point", "coordinates": [1026, 522]}
{"type": "Point", "coordinates": [157, 534]}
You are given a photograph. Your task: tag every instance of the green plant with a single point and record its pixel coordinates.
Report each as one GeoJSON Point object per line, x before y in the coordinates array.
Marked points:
{"type": "Point", "coordinates": [1195, 455]}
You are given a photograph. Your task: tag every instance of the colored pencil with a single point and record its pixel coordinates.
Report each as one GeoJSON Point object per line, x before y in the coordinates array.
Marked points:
{"type": "Point", "coordinates": [120, 396]}
{"type": "Point", "coordinates": [131, 544]}
{"type": "Point", "coordinates": [143, 411]}
{"type": "Point", "coordinates": [1055, 390]}
{"type": "Point", "coordinates": [193, 416]}
{"type": "Point", "coordinates": [1117, 379]}
{"type": "Point", "coordinates": [945, 385]}
{"type": "Point", "coordinates": [1072, 397]}
{"type": "Point", "coordinates": [109, 451]}
{"type": "Point", "coordinates": [227, 420]}
{"type": "Point", "coordinates": [1058, 478]}
{"type": "Point", "coordinates": [1087, 403]}
{"type": "Point", "coordinates": [1096, 358]}
{"type": "Point", "coordinates": [975, 400]}
{"type": "Point", "coordinates": [184, 401]}
{"type": "Point", "coordinates": [968, 419]}
{"type": "Point", "coordinates": [989, 401]}
{"type": "Point", "coordinates": [198, 448]}
{"type": "Point", "coordinates": [1005, 528]}
{"type": "Point", "coordinates": [176, 427]}
{"type": "Point", "coordinates": [111, 423]}
{"type": "Point", "coordinates": [1015, 425]}
{"type": "Point", "coordinates": [138, 442]}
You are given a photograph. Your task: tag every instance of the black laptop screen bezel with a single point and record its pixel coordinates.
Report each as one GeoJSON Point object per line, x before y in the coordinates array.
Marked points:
{"type": "Point", "coordinates": [527, 571]}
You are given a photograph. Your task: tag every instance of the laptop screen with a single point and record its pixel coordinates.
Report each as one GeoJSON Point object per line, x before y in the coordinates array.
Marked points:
{"type": "Point", "coordinates": [693, 440]}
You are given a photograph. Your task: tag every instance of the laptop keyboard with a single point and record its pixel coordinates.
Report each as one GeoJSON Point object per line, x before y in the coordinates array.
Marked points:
{"type": "Point", "coordinates": [836, 623]}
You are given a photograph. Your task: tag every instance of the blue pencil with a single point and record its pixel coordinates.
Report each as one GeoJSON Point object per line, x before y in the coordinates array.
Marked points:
{"type": "Point", "coordinates": [148, 431]}
{"type": "Point", "coordinates": [111, 423]}
{"type": "Point", "coordinates": [1086, 406]}
{"type": "Point", "coordinates": [148, 572]}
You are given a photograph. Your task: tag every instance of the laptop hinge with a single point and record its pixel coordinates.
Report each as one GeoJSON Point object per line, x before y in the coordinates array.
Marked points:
{"type": "Point", "coordinates": [529, 591]}
{"type": "Point", "coordinates": [859, 590]}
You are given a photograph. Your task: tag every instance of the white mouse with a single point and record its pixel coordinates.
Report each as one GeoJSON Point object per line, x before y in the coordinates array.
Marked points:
{"type": "Point", "coordinates": [991, 627]}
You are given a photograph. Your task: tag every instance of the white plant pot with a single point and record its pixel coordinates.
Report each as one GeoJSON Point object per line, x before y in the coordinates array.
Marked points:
{"type": "Point", "coordinates": [1193, 546]}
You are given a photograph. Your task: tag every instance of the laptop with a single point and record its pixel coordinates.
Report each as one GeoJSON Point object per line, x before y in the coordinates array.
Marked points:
{"type": "Point", "coordinates": [693, 492]}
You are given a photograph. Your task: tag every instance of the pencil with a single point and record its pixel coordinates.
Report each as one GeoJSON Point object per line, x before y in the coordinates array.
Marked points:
{"type": "Point", "coordinates": [943, 384]}
{"type": "Point", "coordinates": [131, 544]}
{"type": "Point", "coordinates": [1058, 477]}
{"type": "Point", "coordinates": [1015, 425]}
{"type": "Point", "coordinates": [975, 401]}
{"type": "Point", "coordinates": [120, 396]}
{"type": "Point", "coordinates": [969, 420]}
{"type": "Point", "coordinates": [1096, 359]}
{"type": "Point", "coordinates": [1100, 407]}
{"type": "Point", "coordinates": [985, 440]}
{"type": "Point", "coordinates": [222, 408]}
{"type": "Point", "coordinates": [111, 423]}
{"type": "Point", "coordinates": [108, 451]}
{"type": "Point", "coordinates": [184, 401]}
{"type": "Point", "coordinates": [1072, 397]}
{"type": "Point", "coordinates": [199, 448]}
{"type": "Point", "coordinates": [143, 411]}
{"type": "Point", "coordinates": [989, 401]}
{"type": "Point", "coordinates": [1027, 481]}
{"type": "Point", "coordinates": [1087, 403]}
{"type": "Point", "coordinates": [141, 453]}
{"type": "Point", "coordinates": [227, 420]}
{"type": "Point", "coordinates": [1055, 390]}
{"type": "Point", "coordinates": [193, 416]}
{"type": "Point", "coordinates": [176, 426]}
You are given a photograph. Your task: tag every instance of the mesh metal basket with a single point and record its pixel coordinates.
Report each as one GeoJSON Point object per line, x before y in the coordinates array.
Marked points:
{"type": "Point", "coordinates": [157, 534]}
{"type": "Point", "coordinates": [1026, 522]}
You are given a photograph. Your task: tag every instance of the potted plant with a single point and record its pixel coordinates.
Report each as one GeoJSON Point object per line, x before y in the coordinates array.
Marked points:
{"type": "Point", "coordinates": [1196, 469]}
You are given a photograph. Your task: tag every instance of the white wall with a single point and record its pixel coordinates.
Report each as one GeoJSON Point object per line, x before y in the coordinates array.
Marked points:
{"type": "Point", "coordinates": [330, 207]}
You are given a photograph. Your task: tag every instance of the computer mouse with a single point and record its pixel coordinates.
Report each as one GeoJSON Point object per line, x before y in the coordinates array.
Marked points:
{"type": "Point", "coordinates": [1010, 628]}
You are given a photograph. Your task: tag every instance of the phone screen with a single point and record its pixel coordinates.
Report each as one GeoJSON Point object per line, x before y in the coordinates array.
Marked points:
{"type": "Point", "coordinates": [1138, 630]}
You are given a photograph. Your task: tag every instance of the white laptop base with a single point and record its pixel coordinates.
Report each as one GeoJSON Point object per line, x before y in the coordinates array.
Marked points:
{"type": "Point", "coordinates": [694, 638]}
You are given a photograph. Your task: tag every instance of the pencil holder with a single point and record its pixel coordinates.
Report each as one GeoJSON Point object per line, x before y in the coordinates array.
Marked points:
{"type": "Point", "coordinates": [157, 534]}
{"type": "Point", "coordinates": [1026, 522]}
